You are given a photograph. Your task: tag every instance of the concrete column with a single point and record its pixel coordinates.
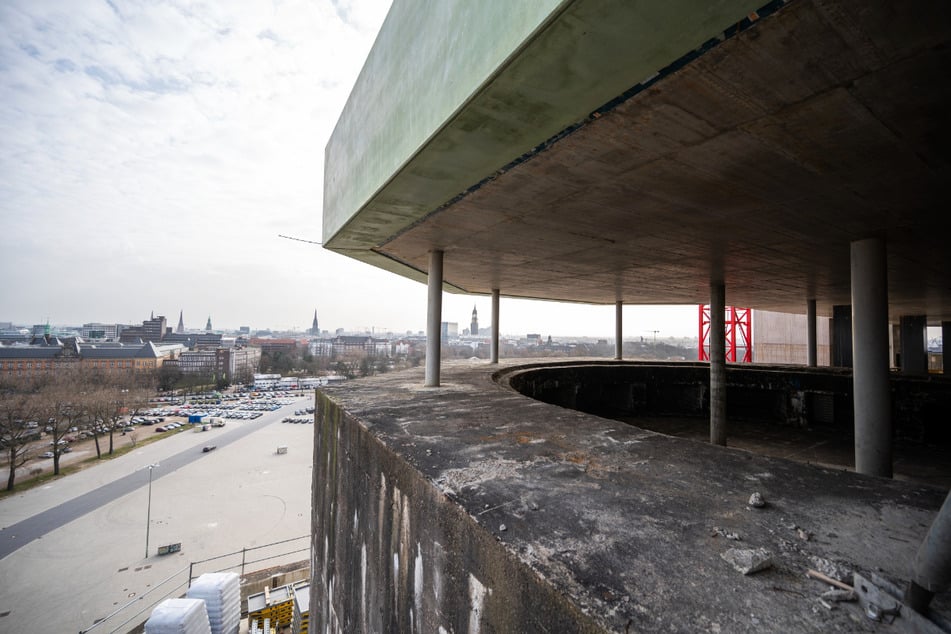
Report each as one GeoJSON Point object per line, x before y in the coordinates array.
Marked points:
{"type": "Point", "coordinates": [618, 330]}
{"type": "Point", "coordinates": [841, 336]}
{"type": "Point", "coordinates": [945, 346]}
{"type": "Point", "coordinates": [717, 340]}
{"type": "Point", "coordinates": [873, 421]}
{"type": "Point", "coordinates": [494, 346]}
{"type": "Point", "coordinates": [812, 347]}
{"type": "Point", "coordinates": [932, 571]}
{"type": "Point", "coordinates": [914, 346]}
{"type": "Point", "coordinates": [434, 320]}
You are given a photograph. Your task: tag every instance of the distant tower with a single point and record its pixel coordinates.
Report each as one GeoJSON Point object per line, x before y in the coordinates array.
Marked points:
{"type": "Point", "coordinates": [474, 326]}
{"type": "Point", "coordinates": [208, 325]}
{"type": "Point", "coordinates": [181, 322]}
{"type": "Point", "coordinates": [315, 329]}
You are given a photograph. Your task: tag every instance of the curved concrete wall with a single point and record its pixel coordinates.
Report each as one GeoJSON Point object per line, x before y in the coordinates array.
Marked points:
{"type": "Point", "coordinates": [795, 396]}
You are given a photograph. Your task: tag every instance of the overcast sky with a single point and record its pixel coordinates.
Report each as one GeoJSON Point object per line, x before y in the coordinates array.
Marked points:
{"type": "Point", "coordinates": [152, 152]}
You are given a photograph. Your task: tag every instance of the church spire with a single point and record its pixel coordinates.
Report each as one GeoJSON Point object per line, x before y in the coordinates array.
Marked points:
{"type": "Point", "coordinates": [208, 325]}
{"type": "Point", "coordinates": [474, 326]}
{"type": "Point", "coordinates": [181, 322]}
{"type": "Point", "coordinates": [315, 329]}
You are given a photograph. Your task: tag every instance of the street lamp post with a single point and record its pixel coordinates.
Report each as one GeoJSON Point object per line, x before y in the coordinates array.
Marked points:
{"type": "Point", "coordinates": [148, 512]}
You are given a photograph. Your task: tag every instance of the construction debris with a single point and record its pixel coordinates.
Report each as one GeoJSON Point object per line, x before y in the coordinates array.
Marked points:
{"type": "Point", "coordinates": [748, 560]}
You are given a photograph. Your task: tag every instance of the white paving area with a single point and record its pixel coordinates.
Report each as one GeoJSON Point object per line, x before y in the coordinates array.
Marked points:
{"type": "Point", "coordinates": [235, 497]}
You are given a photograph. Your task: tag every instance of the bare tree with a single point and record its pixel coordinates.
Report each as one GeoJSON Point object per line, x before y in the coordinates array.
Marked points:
{"type": "Point", "coordinates": [17, 408]}
{"type": "Point", "coordinates": [114, 397]}
{"type": "Point", "coordinates": [64, 405]}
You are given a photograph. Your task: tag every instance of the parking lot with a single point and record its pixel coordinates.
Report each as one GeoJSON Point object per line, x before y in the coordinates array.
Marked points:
{"type": "Point", "coordinates": [165, 415]}
{"type": "Point", "coordinates": [243, 494]}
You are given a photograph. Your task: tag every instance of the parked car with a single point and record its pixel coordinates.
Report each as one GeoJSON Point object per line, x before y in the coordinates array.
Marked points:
{"type": "Point", "coordinates": [46, 454]}
{"type": "Point", "coordinates": [159, 429]}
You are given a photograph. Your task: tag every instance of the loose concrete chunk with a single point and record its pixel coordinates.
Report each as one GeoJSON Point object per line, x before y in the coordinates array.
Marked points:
{"type": "Point", "coordinates": [722, 532]}
{"type": "Point", "coordinates": [756, 500]}
{"type": "Point", "coordinates": [748, 560]}
{"type": "Point", "coordinates": [831, 569]}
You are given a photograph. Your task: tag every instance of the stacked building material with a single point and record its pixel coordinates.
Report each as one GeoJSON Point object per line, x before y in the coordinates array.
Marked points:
{"type": "Point", "coordinates": [179, 616]}
{"type": "Point", "coordinates": [221, 592]}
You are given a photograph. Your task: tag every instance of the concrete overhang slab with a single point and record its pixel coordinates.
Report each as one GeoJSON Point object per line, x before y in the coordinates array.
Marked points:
{"type": "Point", "coordinates": [452, 92]}
{"type": "Point", "coordinates": [757, 161]}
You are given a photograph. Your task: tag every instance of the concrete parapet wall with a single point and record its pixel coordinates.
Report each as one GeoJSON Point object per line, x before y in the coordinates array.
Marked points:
{"type": "Point", "coordinates": [471, 508]}
{"type": "Point", "coordinates": [392, 553]}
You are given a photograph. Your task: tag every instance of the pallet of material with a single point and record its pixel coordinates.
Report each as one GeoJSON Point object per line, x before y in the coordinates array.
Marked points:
{"type": "Point", "coordinates": [276, 605]}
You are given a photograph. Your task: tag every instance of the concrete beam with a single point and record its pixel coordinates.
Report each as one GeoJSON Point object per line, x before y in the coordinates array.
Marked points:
{"type": "Point", "coordinates": [434, 319]}
{"type": "Point", "coordinates": [872, 398]}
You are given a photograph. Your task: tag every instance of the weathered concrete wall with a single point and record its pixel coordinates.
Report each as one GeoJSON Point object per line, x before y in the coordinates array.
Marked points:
{"type": "Point", "coordinates": [471, 508]}
{"type": "Point", "coordinates": [781, 338]}
{"type": "Point", "coordinates": [391, 553]}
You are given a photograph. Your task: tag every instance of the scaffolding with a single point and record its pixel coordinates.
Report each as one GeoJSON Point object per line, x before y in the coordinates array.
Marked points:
{"type": "Point", "coordinates": [738, 324]}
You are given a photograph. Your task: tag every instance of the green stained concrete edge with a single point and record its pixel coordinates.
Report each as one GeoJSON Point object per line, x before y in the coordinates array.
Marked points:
{"type": "Point", "coordinates": [383, 261]}
{"type": "Point", "coordinates": [451, 92]}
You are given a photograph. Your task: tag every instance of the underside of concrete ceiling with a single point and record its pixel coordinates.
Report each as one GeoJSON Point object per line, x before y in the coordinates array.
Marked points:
{"type": "Point", "coordinates": [754, 161]}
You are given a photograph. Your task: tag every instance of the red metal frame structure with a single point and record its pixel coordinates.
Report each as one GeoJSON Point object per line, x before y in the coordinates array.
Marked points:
{"type": "Point", "coordinates": [738, 322]}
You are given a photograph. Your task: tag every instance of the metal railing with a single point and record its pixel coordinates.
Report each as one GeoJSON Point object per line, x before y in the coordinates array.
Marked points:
{"type": "Point", "coordinates": [185, 576]}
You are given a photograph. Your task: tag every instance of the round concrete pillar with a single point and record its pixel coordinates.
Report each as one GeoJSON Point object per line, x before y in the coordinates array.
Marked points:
{"type": "Point", "coordinates": [812, 356]}
{"type": "Point", "coordinates": [434, 319]}
{"type": "Point", "coordinates": [618, 330]}
{"type": "Point", "coordinates": [873, 420]}
{"type": "Point", "coordinates": [717, 341]}
{"type": "Point", "coordinates": [495, 326]}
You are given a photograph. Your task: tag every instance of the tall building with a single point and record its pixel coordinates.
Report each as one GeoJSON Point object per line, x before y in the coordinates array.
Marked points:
{"type": "Point", "coordinates": [315, 329]}
{"type": "Point", "coordinates": [96, 330]}
{"type": "Point", "coordinates": [181, 322]}
{"type": "Point", "coordinates": [151, 330]}
{"type": "Point", "coordinates": [474, 326]}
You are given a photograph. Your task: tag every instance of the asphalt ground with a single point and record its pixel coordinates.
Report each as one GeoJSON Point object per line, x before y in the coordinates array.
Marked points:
{"type": "Point", "coordinates": [73, 551]}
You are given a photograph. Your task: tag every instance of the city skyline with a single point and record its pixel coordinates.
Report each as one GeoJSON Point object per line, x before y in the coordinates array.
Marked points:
{"type": "Point", "coordinates": [597, 317]}
{"type": "Point", "coordinates": [155, 155]}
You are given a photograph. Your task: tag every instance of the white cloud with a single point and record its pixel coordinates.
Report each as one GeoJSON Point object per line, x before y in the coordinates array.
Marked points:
{"type": "Point", "coordinates": [153, 151]}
